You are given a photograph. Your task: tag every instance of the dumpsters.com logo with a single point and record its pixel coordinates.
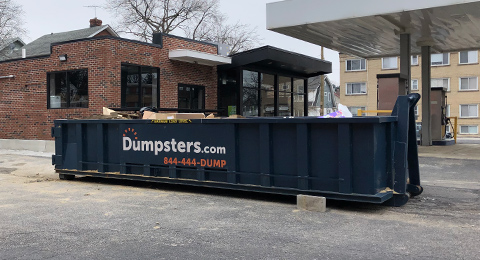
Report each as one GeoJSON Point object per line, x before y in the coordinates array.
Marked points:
{"type": "Point", "coordinates": [131, 142]}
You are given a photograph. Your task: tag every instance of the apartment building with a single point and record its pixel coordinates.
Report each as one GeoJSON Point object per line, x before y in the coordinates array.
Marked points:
{"type": "Point", "coordinates": [456, 71]}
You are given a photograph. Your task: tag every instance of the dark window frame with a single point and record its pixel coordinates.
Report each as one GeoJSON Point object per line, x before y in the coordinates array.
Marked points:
{"type": "Point", "coordinates": [140, 97]}
{"type": "Point", "coordinates": [68, 88]}
{"type": "Point", "coordinates": [276, 75]}
{"type": "Point", "coordinates": [190, 103]}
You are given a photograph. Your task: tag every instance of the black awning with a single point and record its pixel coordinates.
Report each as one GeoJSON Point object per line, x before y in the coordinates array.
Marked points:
{"type": "Point", "coordinates": [274, 59]}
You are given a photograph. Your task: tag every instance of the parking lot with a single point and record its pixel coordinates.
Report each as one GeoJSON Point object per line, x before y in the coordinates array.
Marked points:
{"type": "Point", "coordinates": [43, 217]}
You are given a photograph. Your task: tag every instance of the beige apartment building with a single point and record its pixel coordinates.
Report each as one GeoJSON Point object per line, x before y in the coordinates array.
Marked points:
{"type": "Point", "coordinates": [457, 71]}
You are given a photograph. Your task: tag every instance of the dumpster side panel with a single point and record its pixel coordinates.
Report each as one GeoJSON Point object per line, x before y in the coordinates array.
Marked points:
{"type": "Point", "coordinates": [111, 147]}
{"type": "Point", "coordinates": [70, 148]}
{"type": "Point", "coordinates": [91, 146]}
{"type": "Point", "coordinates": [382, 145]}
{"type": "Point", "coordinates": [284, 155]}
{"type": "Point", "coordinates": [363, 152]}
{"type": "Point", "coordinates": [324, 151]}
{"type": "Point", "coordinates": [249, 153]}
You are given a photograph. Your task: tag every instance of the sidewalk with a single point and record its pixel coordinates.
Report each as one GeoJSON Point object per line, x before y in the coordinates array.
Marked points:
{"type": "Point", "coordinates": [458, 151]}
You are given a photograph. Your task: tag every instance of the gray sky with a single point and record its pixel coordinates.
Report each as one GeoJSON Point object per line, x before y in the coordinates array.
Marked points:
{"type": "Point", "coordinates": [52, 16]}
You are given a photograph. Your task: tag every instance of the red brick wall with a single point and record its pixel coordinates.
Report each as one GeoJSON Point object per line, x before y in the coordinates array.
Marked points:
{"type": "Point", "coordinates": [23, 99]}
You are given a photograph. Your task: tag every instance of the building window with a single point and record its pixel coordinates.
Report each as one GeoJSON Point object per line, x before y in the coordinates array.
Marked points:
{"type": "Point", "coordinates": [354, 110]}
{"type": "Point", "coordinates": [414, 60]}
{"type": "Point", "coordinates": [250, 93]}
{"type": "Point", "coordinates": [468, 57]}
{"type": "Point", "coordinates": [469, 129]}
{"type": "Point", "coordinates": [67, 89]}
{"type": "Point", "coordinates": [298, 97]}
{"type": "Point", "coordinates": [416, 110]}
{"type": "Point", "coordinates": [414, 84]}
{"type": "Point", "coordinates": [440, 83]}
{"type": "Point", "coordinates": [356, 64]}
{"type": "Point", "coordinates": [470, 83]}
{"type": "Point", "coordinates": [140, 86]}
{"type": "Point", "coordinates": [191, 97]}
{"type": "Point", "coordinates": [447, 111]}
{"type": "Point", "coordinates": [440, 59]}
{"type": "Point", "coordinates": [267, 95]}
{"type": "Point", "coordinates": [356, 88]}
{"type": "Point", "coordinates": [389, 63]}
{"type": "Point", "coordinates": [469, 111]}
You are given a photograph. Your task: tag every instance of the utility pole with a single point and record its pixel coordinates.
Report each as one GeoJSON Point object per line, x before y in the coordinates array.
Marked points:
{"type": "Point", "coordinates": [322, 89]}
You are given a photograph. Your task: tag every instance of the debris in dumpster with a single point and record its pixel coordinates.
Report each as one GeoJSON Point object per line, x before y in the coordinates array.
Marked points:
{"type": "Point", "coordinates": [211, 116]}
{"type": "Point", "coordinates": [340, 113]}
{"type": "Point", "coordinates": [163, 116]}
{"type": "Point", "coordinates": [112, 114]}
{"type": "Point", "coordinates": [236, 116]}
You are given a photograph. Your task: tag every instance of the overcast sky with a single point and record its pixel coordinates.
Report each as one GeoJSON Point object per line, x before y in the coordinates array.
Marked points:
{"type": "Point", "coordinates": [53, 16]}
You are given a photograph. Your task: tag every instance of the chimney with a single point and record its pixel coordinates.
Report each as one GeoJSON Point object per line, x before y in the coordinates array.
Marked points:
{"type": "Point", "coordinates": [95, 22]}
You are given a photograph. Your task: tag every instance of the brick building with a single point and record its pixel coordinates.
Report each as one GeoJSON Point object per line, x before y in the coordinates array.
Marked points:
{"type": "Point", "coordinates": [75, 74]}
{"type": "Point", "coordinates": [458, 72]}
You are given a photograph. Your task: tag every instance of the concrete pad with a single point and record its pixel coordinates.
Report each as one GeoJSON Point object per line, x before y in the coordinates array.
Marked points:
{"type": "Point", "coordinates": [311, 203]}
{"type": "Point", "coordinates": [457, 151]}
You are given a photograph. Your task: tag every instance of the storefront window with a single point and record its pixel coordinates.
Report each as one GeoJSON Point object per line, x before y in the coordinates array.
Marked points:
{"type": "Point", "coordinates": [270, 95]}
{"type": "Point", "coordinates": [298, 97]}
{"type": "Point", "coordinates": [68, 89]}
{"type": "Point", "coordinates": [140, 86]}
{"type": "Point", "coordinates": [284, 103]}
{"type": "Point", "coordinates": [191, 97]}
{"type": "Point", "coordinates": [250, 93]}
{"type": "Point", "coordinates": [267, 95]}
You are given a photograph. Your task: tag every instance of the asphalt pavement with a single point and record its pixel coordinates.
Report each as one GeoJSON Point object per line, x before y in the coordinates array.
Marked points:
{"type": "Point", "coordinates": [43, 217]}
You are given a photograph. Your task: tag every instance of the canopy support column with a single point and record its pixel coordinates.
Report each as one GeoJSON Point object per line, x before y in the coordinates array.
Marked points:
{"type": "Point", "coordinates": [405, 63]}
{"type": "Point", "coordinates": [426, 90]}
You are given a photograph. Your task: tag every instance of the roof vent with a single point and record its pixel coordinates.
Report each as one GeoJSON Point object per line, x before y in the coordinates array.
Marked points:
{"type": "Point", "coordinates": [95, 22]}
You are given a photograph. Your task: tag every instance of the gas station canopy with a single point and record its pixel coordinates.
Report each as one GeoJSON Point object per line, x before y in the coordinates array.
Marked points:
{"type": "Point", "coordinates": [371, 28]}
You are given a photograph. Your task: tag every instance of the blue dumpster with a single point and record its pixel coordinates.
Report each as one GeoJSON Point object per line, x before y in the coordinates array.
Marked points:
{"type": "Point", "coordinates": [365, 159]}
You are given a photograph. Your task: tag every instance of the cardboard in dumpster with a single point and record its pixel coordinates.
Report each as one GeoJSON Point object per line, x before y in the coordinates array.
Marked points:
{"type": "Point", "coordinates": [147, 114]}
{"type": "Point", "coordinates": [236, 116]}
{"type": "Point", "coordinates": [167, 116]}
{"type": "Point", "coordinates": [109, 112]}
{"type": "Point", "coordinates": [211, 116]}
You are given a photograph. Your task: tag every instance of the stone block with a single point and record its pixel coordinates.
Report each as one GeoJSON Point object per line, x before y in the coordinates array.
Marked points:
{"type": "Point", "coordinates": [311, 203]}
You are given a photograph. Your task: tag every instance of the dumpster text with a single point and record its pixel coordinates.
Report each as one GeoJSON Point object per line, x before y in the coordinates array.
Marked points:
{"type": "Point", "coordinates": [194, 162]}
{"type": "Point", "coordinates": [170, 146]}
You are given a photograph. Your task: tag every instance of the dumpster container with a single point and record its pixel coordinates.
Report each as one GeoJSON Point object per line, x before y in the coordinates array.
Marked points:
{"type": "Point", "coordinates": [365, 159]}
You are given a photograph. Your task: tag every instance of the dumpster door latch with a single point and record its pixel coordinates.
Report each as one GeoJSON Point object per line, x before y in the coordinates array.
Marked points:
{"type": "Point", "coordinates": [56, 159]}
{"type": "Point", "coordinates": [56, 132]}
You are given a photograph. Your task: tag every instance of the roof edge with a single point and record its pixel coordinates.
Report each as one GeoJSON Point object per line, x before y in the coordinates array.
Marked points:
{"type": "Point", "coordinates": [105, 27]}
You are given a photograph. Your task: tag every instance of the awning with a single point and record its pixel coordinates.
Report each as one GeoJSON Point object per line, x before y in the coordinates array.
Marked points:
{"type": "Point", "coordinates": [271, 58]}
{"type": "Point", "coordinates": [198, 57]}
{"type": "Point", "coordinates": [370, 28]}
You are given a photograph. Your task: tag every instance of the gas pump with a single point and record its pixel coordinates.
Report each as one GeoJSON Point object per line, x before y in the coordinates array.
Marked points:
{"type": "Point", "coordinates": [438, 106]}
{"type": "Point", "coordinates": [448, 122]}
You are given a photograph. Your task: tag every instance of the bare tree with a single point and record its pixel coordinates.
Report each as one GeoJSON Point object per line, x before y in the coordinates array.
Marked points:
{"type": "Point", "coordinates": [197, 19]}
{"type": "Point", "coordinates": [11, 22]}
{"type": "Point", "coordinates": [238, 36]}
{"type": "Point", "coordinates": [142, 18]}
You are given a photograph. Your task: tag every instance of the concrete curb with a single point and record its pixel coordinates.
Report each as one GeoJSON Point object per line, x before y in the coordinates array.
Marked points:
{"type": "Point", "coordinates": [46, 146]}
